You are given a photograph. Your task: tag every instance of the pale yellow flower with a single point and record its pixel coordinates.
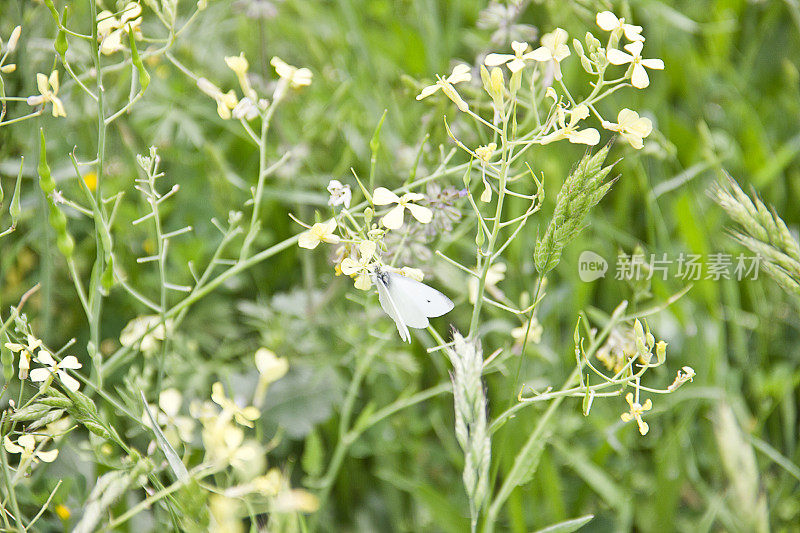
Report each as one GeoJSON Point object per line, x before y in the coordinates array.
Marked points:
{"type": "Point", "coordinates": [239, 65]}
{"type": "Point", "coordinates": [554, 48]}
{"type": "Point", "coordinates": [486, 152]}
{"type": "Point", "coordinates": [296, 77]}
{"type": "Point", "coordinates": [534, 335]}
{"type": "Point", "coordinates": [394, 218]}
{"type": "Point", "coordinates": [145, 331]}
{"type": "Point", "coordinates": [270, 368]}
{"type": "Point", "coordinates": [515, 62]}
{"type": "Point", "coordinates": [413, 273]}
{"type": "Point", "coordinates": [48, 89]}
{"type": "Point", "coordinates": [177, 428]}
{"type": "Point", "coordinates": [26, 352]}
{"type": "Point", "coordinates": [26, 447]}
{"type": "Point", "coordinates": [631, 127]}
{"type": "Point", "coordinates": [319, 232]}
{"type": "Point", "coordinates": [636, 411]}
{"type": "Point", "coordinates": [460, 73]}
{"type": "Point", "coordinates": [225, 101]}
{"type": "Point", "coordinates": [570, 131]}
{"type": "Point", "coordinates": [56, 368]}
{"type": "Point", "coordinates": [685, 374]}
{"type": "Point", "coordinates": [639, 78]}
{"type": "Point", "coordinates": [608, 21]}
{"type": "Point", "coordinates": [243, 415]}
{"type": "Point", "coordinates": [495, 274]}
{"type": "Point", "coordinates": [225, 444]}
{"type": "Point", "coordinates": [361, 269]}
{"type": "Point", "coordinates": [111, 29]}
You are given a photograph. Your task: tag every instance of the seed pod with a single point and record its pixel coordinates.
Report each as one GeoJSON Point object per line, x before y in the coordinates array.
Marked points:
{"type": "Point", "coordinates": [61, 44]}
{"type": "Point", "coordinates": [45, 178]}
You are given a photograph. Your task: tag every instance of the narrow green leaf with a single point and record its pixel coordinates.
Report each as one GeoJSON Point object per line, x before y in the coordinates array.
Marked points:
{"type": "Point", "coordinates": [175, 463]}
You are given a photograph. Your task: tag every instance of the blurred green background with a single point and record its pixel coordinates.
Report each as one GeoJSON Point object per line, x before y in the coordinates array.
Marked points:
{"type": "Point", "coordinates": [728, 100]}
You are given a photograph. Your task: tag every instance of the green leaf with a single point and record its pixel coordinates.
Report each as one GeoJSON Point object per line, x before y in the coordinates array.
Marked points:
{"type": "Point", "coordinates": [568, 526]}
{"type": "Point", "coordinates": [175, 463]}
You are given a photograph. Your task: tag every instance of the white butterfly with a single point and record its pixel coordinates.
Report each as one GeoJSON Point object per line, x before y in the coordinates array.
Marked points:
{"type": "Point", "coordinates": [407, 301]}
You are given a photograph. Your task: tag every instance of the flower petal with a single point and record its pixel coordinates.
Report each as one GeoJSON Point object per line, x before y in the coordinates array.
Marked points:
{"type": "Point", "coordinates": [350, 266]}
{"type": "Point", "coordinates": [383, 196]}
{"type": "Point", "coordinates": [307, 240]}
{"type": "Point", "coordinates": [47, 457]}
{"type": "Point", "coordinates": [515, 65]}
{"type": "Point", "coordinates": [394, 218]}
{"type": "Point", "coordinates": [461, 72]}
{"type": "Point", "coordinates": [45, 358]}
{"type": "Point", "coordinates": [422, 214]}
{"type": "Point", "coordinates": [639, 79]}
{"type": "Point", "coordinates": [68, 381]}
{"type": "Point", "coordinates": [635, 48]}
{"type": "Point", "coordinates": [655, 64]}
{"type": "Point", "coordinates": [607, 21]}
{"type": "Point", "coordinates": [39, 374]}
{"type": "Point", "coordinates": [495, 60]}
{"type": "Point", "coordinates": [588, 136]}
{"type": "Point", "coordinates": [541, 54]}
{"type": "Point", "coordinates": [618, 57]}
{"type": "Point", "coordinates": [427, 91]}
{"type": "Point", "coordinates": [71, 362]}
{"type": "Point", "coordinates": [42, 84]}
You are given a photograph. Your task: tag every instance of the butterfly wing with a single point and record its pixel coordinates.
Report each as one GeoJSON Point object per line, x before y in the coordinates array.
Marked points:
{"type": "Point", "coordinates": [388, 305]}
{"type": "Point", "coordinates": [416, 301]}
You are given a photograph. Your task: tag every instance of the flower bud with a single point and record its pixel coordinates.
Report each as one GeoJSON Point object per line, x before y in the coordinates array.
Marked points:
{"type": "Point", "coordinates": [661, 352]}
{"type": "Point", "coordinates": [14, 39]}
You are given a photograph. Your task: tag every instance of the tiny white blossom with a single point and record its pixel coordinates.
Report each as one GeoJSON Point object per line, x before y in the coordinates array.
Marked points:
{"type": "Point", "coordinates": [340, 194]}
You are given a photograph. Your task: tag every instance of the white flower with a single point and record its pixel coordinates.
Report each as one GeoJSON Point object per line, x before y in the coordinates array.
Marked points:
{"type": "Point", "coordinates": [319, 232]}
{"type": "Point", "coordinates": [340, 194]}
{"type": "Point", "coordinates": [570, 131]}
{"type": "Point", "coordinates": [245, 109]}
{"type": "Point", "coordinates": [515, 62]}
{"type": "Point", "coordinates": [394, 218]}
{"type": "Point", "coordinates": [631, 127]}
{"type": "Point", "coordinates": [48, 89]}
{"type": "Point", "coordinates": [608, 21]}
{"type": "Point", "coordinates": [460, 73]}
{"type": "Point", "coordinates": [56, 368]}
{"type": "Point", "coordinates": [639, 78]}
{"type": "Point", "coordinates": [554, 48]}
